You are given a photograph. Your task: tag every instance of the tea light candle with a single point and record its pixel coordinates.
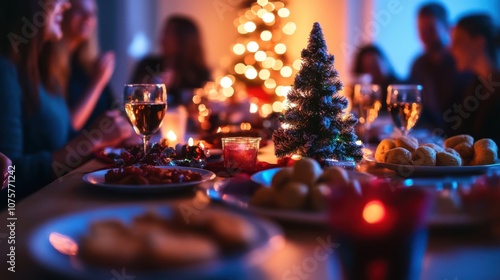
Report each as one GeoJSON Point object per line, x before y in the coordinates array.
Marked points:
{"type": "Point", "coordinates": [172, 138]}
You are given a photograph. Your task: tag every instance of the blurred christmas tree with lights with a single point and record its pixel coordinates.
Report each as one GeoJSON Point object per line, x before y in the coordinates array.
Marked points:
{"type": "Point", "coordinates": [314, 123]}
{"type": "Point", "coordinates": [261, 62]}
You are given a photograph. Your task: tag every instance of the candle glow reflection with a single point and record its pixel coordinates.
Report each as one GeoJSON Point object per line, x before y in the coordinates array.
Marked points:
{"type": "Point", "coordinates": [374, 212]}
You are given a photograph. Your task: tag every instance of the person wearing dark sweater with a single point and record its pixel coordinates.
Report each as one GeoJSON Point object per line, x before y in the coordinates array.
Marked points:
{"type": "Point", "coordinates": [181, 65]}
{"type": "Point", "coordinates": [35, 121]}
{"type": "Point", "coordinates": [6, 168]}
{"type": "Point", "coordinates": [435, 69]}
{"type": "Point", "coordinates": [371, 60]}
{"type": "Point", "coordinates": [474, 46]}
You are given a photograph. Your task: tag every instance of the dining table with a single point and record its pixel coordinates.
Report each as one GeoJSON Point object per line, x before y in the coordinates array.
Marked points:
{"type": "Point", "coordinates": [452, 252]}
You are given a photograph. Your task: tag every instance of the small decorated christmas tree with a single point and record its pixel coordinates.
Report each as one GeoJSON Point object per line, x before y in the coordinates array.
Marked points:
{"type": "Point", "coordinates": [315, 124]}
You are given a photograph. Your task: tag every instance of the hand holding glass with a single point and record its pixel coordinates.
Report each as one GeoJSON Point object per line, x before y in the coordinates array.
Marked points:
{"type": "Point", "coordinates": [404, 102]}
{"type": "Point", "coordinates": [145, 105]}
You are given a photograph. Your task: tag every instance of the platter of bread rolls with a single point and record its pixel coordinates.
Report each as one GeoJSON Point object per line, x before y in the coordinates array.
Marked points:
{"type": "Point", "coordinates": [297, 194]}
{"type": "Point", "coordinates": [458, 154]}
{"type": "Point", "coordinates": [153, 242]}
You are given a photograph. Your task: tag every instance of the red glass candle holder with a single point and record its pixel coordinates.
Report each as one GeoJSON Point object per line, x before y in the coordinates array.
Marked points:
{"type": "Point", "coordinates": [240, 152]}
{"type": "Point", "coordinates": [382, 231]}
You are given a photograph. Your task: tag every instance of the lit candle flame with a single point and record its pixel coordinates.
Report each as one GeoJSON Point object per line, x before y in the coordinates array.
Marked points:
{"type": "Point", "coordinates": [374, 212]}
{"type": "Point", "coordinates": [201, 145]}
{"type": "Point", "coordinates": [171, 136]}
{"type": "Point", "coordinates": [245, 126]}
{"type": "Point", "coordinates": [190, 141]}
{"type": "Point", "coordinates": [63, 244]}
{"type": "Point", "coordinates": [254, 108]}
{"type": "Point", "coordinates": [296, 157]}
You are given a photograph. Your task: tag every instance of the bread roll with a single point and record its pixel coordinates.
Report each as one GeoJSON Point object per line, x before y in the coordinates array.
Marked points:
{"type": "Point", "coordinates": [382, 148]}
{"type": "Point", "coordinates": [398, 156]}
{"type": "Point", "coordinates": [424, 156]}
{"type": "Point", "coordinates": [407, 142]}
{"type": "Point", "coordinates": [485, 152]}
{"type": "Point", "coordinates": [306, 171]}
{"type": "Point", "coordinates": [292, 196]}
{"type": "Point", "coordinates": [451, 142]}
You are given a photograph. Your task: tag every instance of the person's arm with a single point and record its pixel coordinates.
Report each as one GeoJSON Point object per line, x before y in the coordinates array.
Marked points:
{"type": "Point", "coordinates": [32, 170]}
{"type": "Point", "coordinates": [81, 112]}
{"type": "Point", "coordinates": [5, 164]}
{"type": "Point", "coordinates": [109, 130]}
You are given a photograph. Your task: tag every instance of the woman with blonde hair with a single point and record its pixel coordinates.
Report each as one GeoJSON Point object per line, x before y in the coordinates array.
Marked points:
{"type": "Point", "coordinates": [79, 68]}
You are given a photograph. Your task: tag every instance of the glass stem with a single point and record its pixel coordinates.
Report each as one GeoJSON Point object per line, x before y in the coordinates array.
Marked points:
{"type": "Point", "coordinates": [366, 135]}
{"type": "Point", "coordinates": [145, 142]}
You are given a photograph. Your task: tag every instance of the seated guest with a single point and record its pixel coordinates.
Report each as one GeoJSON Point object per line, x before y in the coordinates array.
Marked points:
{"type": "Point", "coordinates": [5, 163]}
{"type": "Point", "coordinates": [34, 118]}
{"type": "Point", "coordinates": [372, 61]}
{"type": "Point", "coordinates": [435, 69]}
{"type": "Point", "coordinates": [475, 46]}
{"type": "Point", "coordinates": [79, 68]}
{"type": "Point", "coordinates": [181, 65]}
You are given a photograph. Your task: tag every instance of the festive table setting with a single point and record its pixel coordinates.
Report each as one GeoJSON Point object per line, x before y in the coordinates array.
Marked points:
{"type": "Point", "coordinates": [310, 201]}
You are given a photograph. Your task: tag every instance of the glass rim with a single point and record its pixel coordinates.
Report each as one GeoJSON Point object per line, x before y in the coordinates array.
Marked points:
{"type": "Point", "coordinates": [241, 138]}
{"type": "Point", "coordinates": [144, 85]}
{"type": "Point", "coordinates": [405, 86]}
{"type": "Point", "coordinates": [366, 84]}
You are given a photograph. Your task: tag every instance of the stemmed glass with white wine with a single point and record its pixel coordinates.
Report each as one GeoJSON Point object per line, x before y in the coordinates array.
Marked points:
{"type": "Point", "coordinates": [367, 99]}
{"type": "Point", "coordinates": [145, 105]}
{"type": "Point", "coordinates": [404, 103]}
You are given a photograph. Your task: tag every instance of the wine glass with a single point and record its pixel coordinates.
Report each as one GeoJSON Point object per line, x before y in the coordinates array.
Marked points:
{"type": "Point", "coordinates": [145, 105]}
{"type": "Point", "coordinates": [404, 102]}
{"type": "Point", "coordinates": [367, 99]}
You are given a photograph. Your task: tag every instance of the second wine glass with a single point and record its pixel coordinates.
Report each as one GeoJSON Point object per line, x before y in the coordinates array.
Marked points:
{"type": "Point", "coordinates": [145, 105]}
{"type": "Point", "coordinates": [367, 100]}
{"type": "Point", "coordinates": [404, 103]}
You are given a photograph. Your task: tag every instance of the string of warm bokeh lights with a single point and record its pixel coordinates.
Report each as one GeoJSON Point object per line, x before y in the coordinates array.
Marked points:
{"type": "Point", "coordinates": [260, 60]}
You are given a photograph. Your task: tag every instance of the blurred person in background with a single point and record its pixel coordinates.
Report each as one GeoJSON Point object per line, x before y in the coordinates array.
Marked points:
{"type": "Point", "coordinates": [435, 69]}
{"type": "Point", "coordinates": [5, 163]}
{"type": "Point", "coordinates": [181, 65]}
{"type": "Point", "coordinates": [370, 60]}
{"type": "Point", "coordinates": [35, 121]}
{"type": "Point", "coordinates": [475, 46]}
{"type": "Point", "coordinates": [78, 66]}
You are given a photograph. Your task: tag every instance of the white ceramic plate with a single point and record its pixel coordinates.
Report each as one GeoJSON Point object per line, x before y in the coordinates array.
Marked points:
{"type": "Point", "coordinates": [96, 179]}
{"type": "Point", "coordinates": [264, 178]}
{"type": "Point", "coordinates": [410, 170]}
{"type": "Point", "coordinates": [76, 225]}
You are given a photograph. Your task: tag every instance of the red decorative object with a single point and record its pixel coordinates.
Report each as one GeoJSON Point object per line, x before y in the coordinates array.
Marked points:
{"type": "Point", "coordinates": [382, 231]}
{"type": "Point", "coordinates": [286, 161]}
